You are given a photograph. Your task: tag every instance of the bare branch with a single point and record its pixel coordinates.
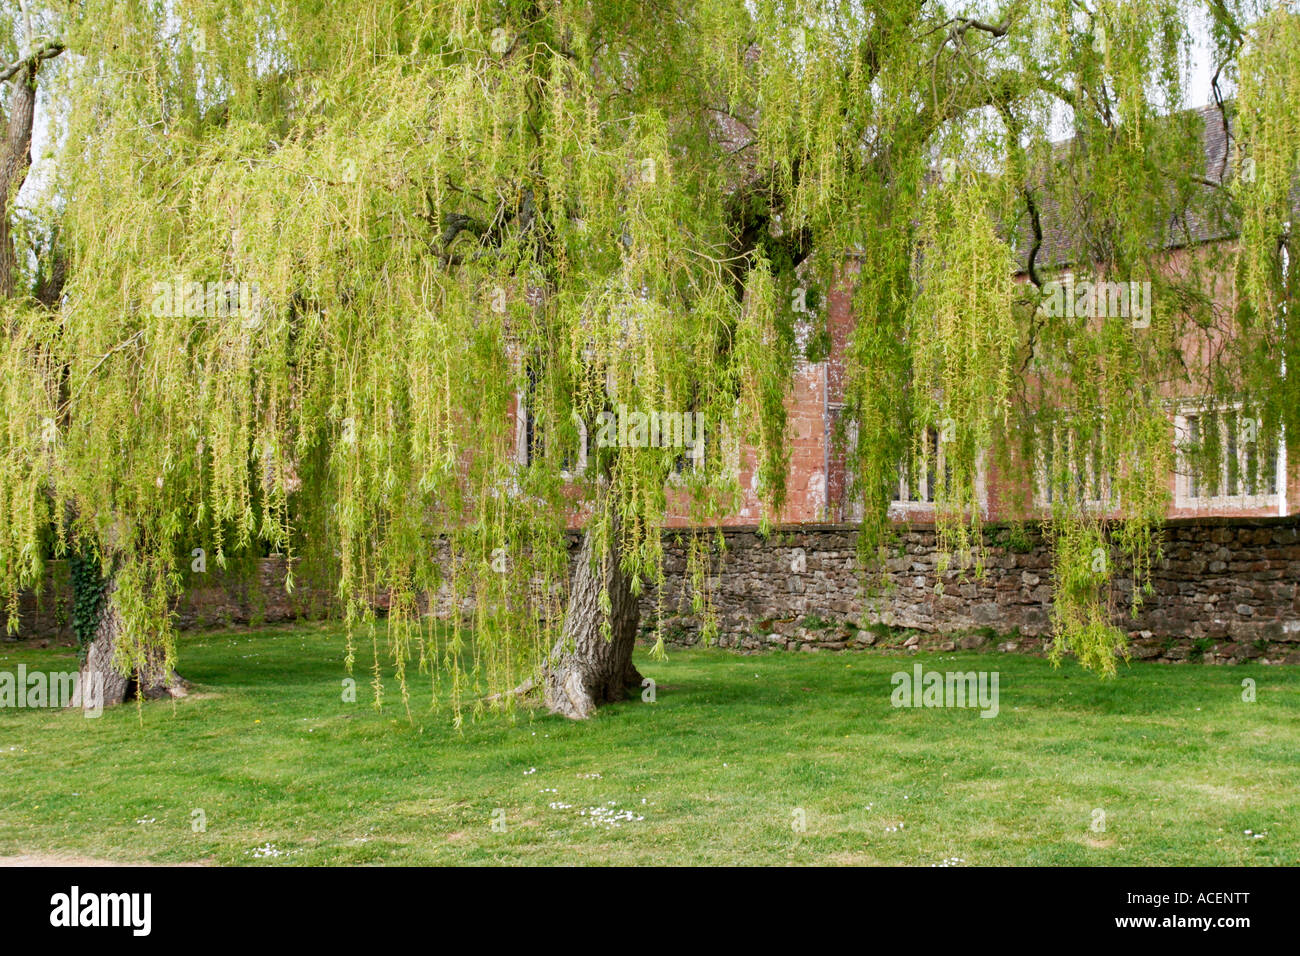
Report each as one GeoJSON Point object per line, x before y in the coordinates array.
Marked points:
{"type": "Point", "coordinates": [47, 51]}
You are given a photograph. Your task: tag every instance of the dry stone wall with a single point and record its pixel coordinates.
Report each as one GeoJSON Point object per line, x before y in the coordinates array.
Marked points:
{"type": "Point", "coordinates": [1225, 591]}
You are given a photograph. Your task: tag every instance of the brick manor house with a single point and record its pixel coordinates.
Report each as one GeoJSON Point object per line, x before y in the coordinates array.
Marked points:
{"type": "Point", "coordinates": [1226, 590]}
{"type": "Point", "coordinates": [1254, 480]}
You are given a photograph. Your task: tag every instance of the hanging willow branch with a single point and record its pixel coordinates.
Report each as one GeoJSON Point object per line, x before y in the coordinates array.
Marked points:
{"type": "Point", "coordinates": [351, 282]}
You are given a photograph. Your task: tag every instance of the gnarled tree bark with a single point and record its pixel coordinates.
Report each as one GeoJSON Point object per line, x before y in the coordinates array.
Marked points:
{"type": "Point", "coordinates": [585, 669]}
{"type": "Point", "coordinates": [102, 679]}
{"type": "Point", "coordinates": [16, 150]}
{"type": "Point", "coordinates": [14, 161]}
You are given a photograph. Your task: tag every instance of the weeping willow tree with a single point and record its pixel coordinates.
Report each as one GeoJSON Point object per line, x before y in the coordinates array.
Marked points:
{"type": "Point", "coordinates": [402, 290]}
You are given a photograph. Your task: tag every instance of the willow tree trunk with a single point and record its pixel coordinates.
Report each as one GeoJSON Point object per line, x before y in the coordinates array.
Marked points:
{"type": "Point", "coordinates": [14, 160]}
{"type": "Point", "coordinates": [585, 669]}
{"type": "Point", "coordinates": [101, 679]}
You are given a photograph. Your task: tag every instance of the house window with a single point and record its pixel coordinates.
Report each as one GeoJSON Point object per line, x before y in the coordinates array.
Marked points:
{"type": "Point", "coordinates": [920, 480]}
{"type": "Point", "coordinates": [527, 433]}
{"type": "Point", "coordinates": [577, 453]}
{"type": "Point", "coordinates": [1225, 461]}
{"type": "Point", "coordinates": [1074, 464]}
{"type": "Point", "coordinates": [690, 459]}
{"type": "Point", "coordinates": [688, 428]}
{"type": "Point", "coordinates": [531, 436]}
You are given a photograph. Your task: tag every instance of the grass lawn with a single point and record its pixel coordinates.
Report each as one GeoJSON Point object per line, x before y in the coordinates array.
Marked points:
{"type": "Point", "coordinates": [710, 773]}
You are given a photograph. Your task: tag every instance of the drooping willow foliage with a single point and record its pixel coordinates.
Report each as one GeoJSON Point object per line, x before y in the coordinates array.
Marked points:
{"type": "Point", "coordinates": [327, 262]}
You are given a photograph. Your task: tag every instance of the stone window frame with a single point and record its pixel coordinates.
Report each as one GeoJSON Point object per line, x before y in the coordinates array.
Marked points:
{"type": "Point", "coordinates": [1184, 479]}
{"type": "Point", "coordinates": [905, 501]}
{"type": "Point", "coordinates": [904, 505]}
{"type": "Point", "coordinates": [1106, 500]}
{"type": "Point", "coordinates": [523, 454]}
{"type": "Point", "coordinates": [676, 475]}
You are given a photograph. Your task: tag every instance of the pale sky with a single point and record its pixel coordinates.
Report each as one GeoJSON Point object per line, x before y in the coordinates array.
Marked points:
{"type": "Point", "coordinates": [1199, 93]}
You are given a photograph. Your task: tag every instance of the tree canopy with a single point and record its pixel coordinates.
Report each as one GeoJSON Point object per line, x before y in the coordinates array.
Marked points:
{"type": "Point", "coordinates": [314, 250]}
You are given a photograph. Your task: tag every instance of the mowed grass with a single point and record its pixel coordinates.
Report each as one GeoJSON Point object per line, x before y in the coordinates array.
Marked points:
{"type": "Point", "coordinates": [713, 772]}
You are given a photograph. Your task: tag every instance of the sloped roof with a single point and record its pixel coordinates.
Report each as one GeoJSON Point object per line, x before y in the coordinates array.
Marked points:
{"type": "Point", "coordinates": [1200, 219]}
